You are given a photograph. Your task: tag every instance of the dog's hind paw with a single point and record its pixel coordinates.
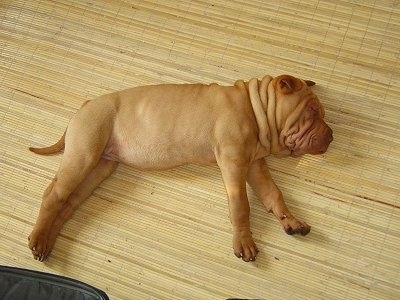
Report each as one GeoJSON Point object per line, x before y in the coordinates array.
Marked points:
{"type": "Point", "coordinates": [38, 245]}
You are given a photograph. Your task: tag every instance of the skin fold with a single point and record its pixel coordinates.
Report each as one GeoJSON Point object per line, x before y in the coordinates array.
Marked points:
{"type": "Point", "coordinates": [164, 126]}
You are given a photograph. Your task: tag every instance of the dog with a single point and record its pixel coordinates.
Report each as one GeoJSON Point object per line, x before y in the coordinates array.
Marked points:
{"type": "Point", "coordinates": [164, 126]}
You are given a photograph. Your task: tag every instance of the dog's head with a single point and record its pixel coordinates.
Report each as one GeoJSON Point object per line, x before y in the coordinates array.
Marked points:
{"type": "Point", "coordinates": [299, 117]}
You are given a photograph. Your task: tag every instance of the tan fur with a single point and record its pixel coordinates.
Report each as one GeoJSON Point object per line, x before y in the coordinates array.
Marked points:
{"type": "Point", "coordinates": [163, 126]}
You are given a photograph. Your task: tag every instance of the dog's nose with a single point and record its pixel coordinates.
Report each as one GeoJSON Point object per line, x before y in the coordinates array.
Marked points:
{"type": "Point", "coordinates": [329, 135]}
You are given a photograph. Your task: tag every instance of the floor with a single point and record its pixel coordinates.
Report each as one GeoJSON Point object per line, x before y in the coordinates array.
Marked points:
{"type": "Point", "coordinates": [166, 234]}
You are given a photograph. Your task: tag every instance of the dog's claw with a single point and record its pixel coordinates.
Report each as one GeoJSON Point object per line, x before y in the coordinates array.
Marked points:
{"type": "Point", "coordinates": [289, 230]}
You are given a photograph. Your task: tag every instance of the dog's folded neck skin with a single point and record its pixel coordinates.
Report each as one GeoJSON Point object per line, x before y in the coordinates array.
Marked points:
{"type": "Point", "coordinates": [262, 97]}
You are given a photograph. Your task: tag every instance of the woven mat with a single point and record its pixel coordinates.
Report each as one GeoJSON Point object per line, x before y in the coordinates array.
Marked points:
{"type": "Point", "coordinates": [166, 234]}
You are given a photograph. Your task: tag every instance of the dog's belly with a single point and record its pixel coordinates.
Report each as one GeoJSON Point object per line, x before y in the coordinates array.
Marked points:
{"type": "Point", "coordinates": [147, 156]}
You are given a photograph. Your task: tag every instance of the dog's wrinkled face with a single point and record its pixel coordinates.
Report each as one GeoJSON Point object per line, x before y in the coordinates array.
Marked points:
{"type": "Point", "coordinates": [301, 125]}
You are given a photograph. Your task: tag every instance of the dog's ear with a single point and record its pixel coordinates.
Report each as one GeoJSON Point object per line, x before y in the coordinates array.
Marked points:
{"type": "Point", "coordinates": [288, 84]}
{"type": "Point", "coordinates": [309, 82]}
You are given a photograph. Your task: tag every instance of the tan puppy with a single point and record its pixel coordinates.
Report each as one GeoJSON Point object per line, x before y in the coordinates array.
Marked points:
{"type": "Point", "coordinates": [163, 126]}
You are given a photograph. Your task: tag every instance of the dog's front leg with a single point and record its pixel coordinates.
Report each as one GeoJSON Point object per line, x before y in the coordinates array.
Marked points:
{"type": "Point", "coordinates": [234, 175]}
{"type": "Point", "coordinates": [261, 181]}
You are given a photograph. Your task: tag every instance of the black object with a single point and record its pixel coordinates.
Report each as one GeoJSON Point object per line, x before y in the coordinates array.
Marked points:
{"type": "Point", "coordinates": [20, 284]}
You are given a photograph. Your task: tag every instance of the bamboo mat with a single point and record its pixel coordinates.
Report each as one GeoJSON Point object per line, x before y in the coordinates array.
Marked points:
{"type": "Point", "coordinates": [166, 234]}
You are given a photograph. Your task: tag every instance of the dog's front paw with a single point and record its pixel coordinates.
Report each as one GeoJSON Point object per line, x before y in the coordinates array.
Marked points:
{"type": "Point", "coordinates": [243, 245]}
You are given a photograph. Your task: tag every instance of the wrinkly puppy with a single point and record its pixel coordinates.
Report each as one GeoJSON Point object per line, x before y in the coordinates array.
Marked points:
{"type": "Point", "coordinates": [163, 126]}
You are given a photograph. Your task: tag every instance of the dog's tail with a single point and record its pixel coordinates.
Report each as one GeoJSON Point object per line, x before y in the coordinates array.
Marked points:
{"type": "Point", "coordinates": [57, 147]}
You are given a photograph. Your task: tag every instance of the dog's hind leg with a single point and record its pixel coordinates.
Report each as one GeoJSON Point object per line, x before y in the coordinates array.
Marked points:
{"type": "Point", "coordinates": [54, 212]}
{"type": "Point", "coordinates": [85, 142]}
{"type": "Point", "coordinates": [102, 171]}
